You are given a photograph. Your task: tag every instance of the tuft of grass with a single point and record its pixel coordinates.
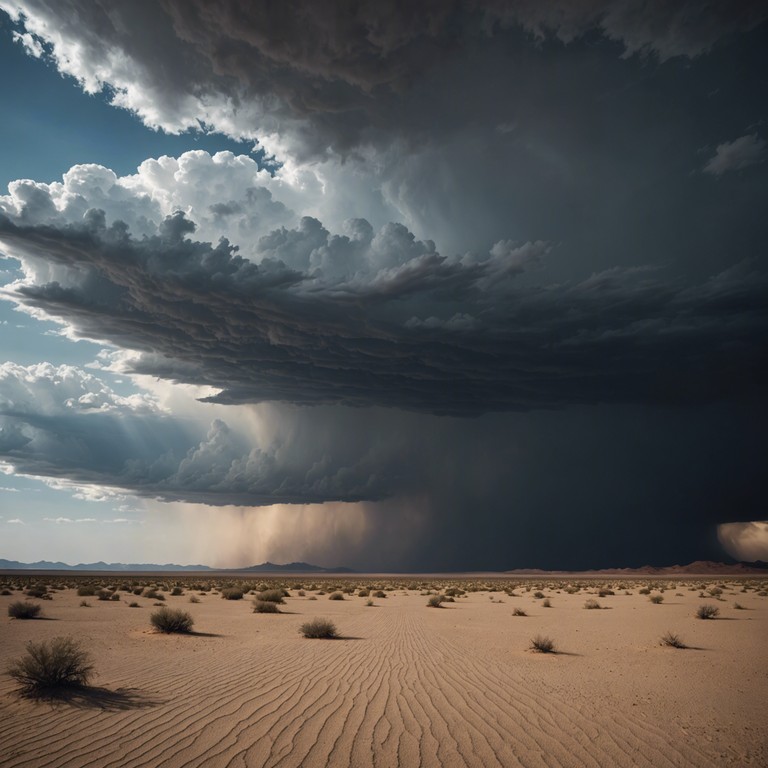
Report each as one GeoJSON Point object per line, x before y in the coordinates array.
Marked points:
{"type": "Point", "coordinates": [171, 620]}
{"type": "Point", "coordinates": [592, 605]}
{"type": "Point", "coordinates": [49, 665]}
{"type": "Point", "coordinates": [436, 601]}
{"type": "Point", "coordinates": [542, 644]}
{"type": "Point", "coordinates": [672, 640]}
{"type": "Point", "coordinates": [707, 611]}
{"type": "Point", "coordinates": [20, 610]}
{"type": "Point", "coordinates": [519, 612]}
{"type": "Point", "coordinates": [265, 606]}
{"type": "Point", "coordinates": [319, 628]}
{"type": "Point", "coordinates": [336, 596]}
{"type": "Point", "coordinates": [656, 599]}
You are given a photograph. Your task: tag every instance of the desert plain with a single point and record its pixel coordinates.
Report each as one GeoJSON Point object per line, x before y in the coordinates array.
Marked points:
{"type": "Point", "coordinates": [404, 684]}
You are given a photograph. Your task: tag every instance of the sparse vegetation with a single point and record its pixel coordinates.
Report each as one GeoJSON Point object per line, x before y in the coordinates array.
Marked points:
{"type": "Point", "coordinates": [194, 599]}
{"type": "Point", "coordinates": [176, 591]}
{"type": "Point", "coordinates": [23, 610]}
{"type": "Point", "coordinates": [546, 603]}
{"type": "Point", "coordinates": [542, 644]}
{"type": "Point", "coordinates": [519, 612]}
{"type": "Point", "coordinates": [272, 596]}
{"type": "Point", "coordinates": [232, 593]}
{"type": "Point", "coordinates": [672, 640]}
{"type": "Point", "coordinates": [133, 604]}
{"type": "Point", "coordinates": [319, 628]}
{"type": "Point", "coordinates": [592, 605]}
{"type": "Point", "coordinates": [85, 604]}
{"type": "Point", "coordinates": [171, 620]}
{"type": "Point", "coordinates": [707, 611]}
{"type": "Point", "coordinates": [49, 665]}
{"type": "Point", "coordinates": [336, 596]}
{"type": "Point", "coordinates": [656, 599]}
{"type": "Point", "coordinates": [436, 601]}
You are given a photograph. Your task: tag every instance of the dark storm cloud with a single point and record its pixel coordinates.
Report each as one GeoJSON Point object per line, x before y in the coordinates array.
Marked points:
{"type": "Point", "coordinates": [382, 319]}
{"type": "Point", "coordinates": [335, 75]}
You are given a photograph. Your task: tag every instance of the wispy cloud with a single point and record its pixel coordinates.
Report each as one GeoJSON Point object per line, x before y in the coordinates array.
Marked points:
{"type": "Point", "coordinates": [737, 154]}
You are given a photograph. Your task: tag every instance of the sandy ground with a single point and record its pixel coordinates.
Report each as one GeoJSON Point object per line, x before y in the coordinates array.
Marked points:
{"type": "Point", "coordinates": [406, 686]}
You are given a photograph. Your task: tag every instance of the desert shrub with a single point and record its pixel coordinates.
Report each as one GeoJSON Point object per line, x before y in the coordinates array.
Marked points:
{"type": "Point", "coordinates": [232, 593]}
{"type": "Point", "coordinates": [656, 599]}
{"type": "Point", "coordinates": [85, 604]}
{"type": "Point", "coordinates": [176, 591]}
{"type": "Point", "coordinates": [605, 593]}
{"type": "Point", "coordinates": [38, 592]}
{"type": "Point", "coordinates": [103, 594]}
{"type": "Point", "coordinates": [454, 592]}
{"type": "Point", "coordinates": [519, 612]}
{"type": "Point", "coordinates": [319, 628]}
{"type": "Point", "coordinates": [369, 602]}
{"type": "Point", "coordinates": [134, 604]}
{"type": "Point", "coordinates": [265, 606]}
{"type": "Point", "coordinates": [542, 644]}
{"type": "Point", "coordinates": [194, 599]}
{"type": "Point", "coordinates": [272, 596]}
{"type": "Point", "coordinates": [436, 601]}
{"type": "Point", "coordinates": [20, 610]}
{"type": "Point", "coordinates": [707, 611]}
{"type": "Point", "coordinates": [86, 592]}
{"type": "Point", "coordinates": [364, 593]}
{"type": "Point", "coordinates": [301, 593]}
{"type": "Point", "coordinates": [379, 593]}
{"type": "Point", "coordinates": [311, 597]}
{"type": "Point", "coordinates": [738, 606]}
{"type": "Point", "coordinates": [538, 595]}
{"type": "Point", "coordinates": [644, 591]}
{"type": "Point", "coordinates": [171, 620]}
{"type": "Point", "coordinates": [672, 640]}
{"type": "Point", "coordinates": [546, 603]}
{"type": "Point", "coordinates": [153, 594]}
{"type": "Point", "coordinates": [47, 665]}
{"type": "Point", "coordinates": [6, 592]}
{"type": "Point", "coordinates": [715, 592]}
{"type": "Point", "coordinates": [336, 596]}
{"type": "Point", "coordinates": [592, 605]}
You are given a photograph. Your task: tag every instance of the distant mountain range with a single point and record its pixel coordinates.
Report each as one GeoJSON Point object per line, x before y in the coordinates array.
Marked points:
{"type": "Point", "coordinates": [47, 565]}
{"type": "Point", "coordinates": [696, 568]}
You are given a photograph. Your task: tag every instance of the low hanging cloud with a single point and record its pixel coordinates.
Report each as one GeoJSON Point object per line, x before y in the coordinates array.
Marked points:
{"type": "Point", "coordinates": [51, 428]}
{"type": "Point", "coordinates": [745, 541]}
{"type": "Point", "coordinates": [379, 318]}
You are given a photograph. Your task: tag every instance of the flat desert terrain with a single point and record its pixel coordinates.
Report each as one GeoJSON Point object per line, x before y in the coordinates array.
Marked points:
{"type": "Point", "coordinates": [405, 685]}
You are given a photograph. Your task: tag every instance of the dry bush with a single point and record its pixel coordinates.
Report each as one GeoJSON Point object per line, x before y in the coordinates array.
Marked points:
{"type": "Point", "coordinates": [49, 665]}
{"type": "Point", "coordinates": [319, 628]}
{"type": "Point", "coordinates": [21, 610]}
{"type": "Point", "coordinates": [542, 644]}
{"type": "Point", "coordinates": [272, 596]}
{"type": "Point", "coordinates": [171, 620]}
{"type": "Point", "coordinates": [546, 603]}
{"type": "Point", "coordinates": [519, 612]}
{"type": "Point", "coordinates": [379, 593]}
{"type": "Point", "coordinates": [592, 605]}
{"type": "Point", "coordinates": [369, 602]}
{"type": "Point", "coordinates": [363, 593]}
{"type": "Point", "coordinates": [656, 599]}
{"type": "Point", "coordinates": [134, 604]}
{"type": "Point", "coordinates": [265, 606]}
{"type": "Point", "coordinates": [194, 599]}
{"type": "Point", "coordinates": [436, 601]}
{"type": "Point", "coordinates": [85, 604]}
{"type": "Point", "coordinates": [336, 596]}
{"type": "Point", "coordinates": [176, 592]}
{"type": "Point", "coordinates": [707, 611]}
{"type": "Point", "coordinates": [232, 593]}
{"type": "Point", "coordinates": [86, 592]}
{"type": "Point", "coordinates": [672, 640]}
